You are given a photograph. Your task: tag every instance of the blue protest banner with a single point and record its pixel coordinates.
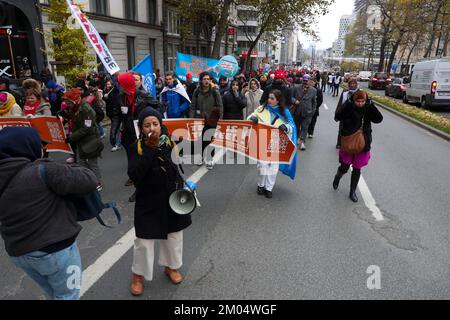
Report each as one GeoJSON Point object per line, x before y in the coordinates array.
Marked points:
{"type": "Point", "coordinates": [145, 67]}
{"type": "Point", "coordinates": [187, 63]}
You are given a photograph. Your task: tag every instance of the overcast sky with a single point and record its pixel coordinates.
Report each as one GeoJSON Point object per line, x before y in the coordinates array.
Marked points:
{"type": "Point", "coordinates": [328, 26]}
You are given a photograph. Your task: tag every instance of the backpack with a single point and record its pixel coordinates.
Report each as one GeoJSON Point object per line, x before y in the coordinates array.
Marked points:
{"type": "Point", "coordinates": [89, 205]}
{"type": "Point", "coordinates": [99, 113]}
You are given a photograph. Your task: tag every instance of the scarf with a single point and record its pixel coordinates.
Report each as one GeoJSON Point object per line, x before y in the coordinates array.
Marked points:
{"type": "Point", "coordinates": [163, 140]}
{"type": "Point", "coordinates": [179, 88]}
{"type": "Point", "coordinates": [30, 109]}
{"type": "Point", "coordinates": [289, 170]}
{"type": "Point", "coordinates": [6, 107]}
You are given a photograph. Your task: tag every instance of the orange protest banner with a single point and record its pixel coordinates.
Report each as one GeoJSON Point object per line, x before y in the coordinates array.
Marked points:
{"type": "Point", "coordinates": [49, 128]}
{"type": "Point", "coordinates": [258, 142]}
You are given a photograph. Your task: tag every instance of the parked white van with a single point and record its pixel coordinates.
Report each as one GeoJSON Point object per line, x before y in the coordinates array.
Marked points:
{"type": "Point", "coordinates": [429, 83]}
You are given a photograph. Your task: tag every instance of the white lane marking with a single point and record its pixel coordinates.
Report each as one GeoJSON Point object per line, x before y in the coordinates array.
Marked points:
{"type": "Point", "coordinates": [106, 261]}
{"type": "Point", "coordinates": [325, 106]}
{"type": "Point", "coordinates": [102, 265]}
{"type": "Point", "coordinates": [203, 170]}
{"type": "Point", "coordinates": [369, 200]}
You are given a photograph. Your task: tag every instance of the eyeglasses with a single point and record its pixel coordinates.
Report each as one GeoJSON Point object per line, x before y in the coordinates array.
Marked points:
{"type": "Point", "coordinates": [207, 79]}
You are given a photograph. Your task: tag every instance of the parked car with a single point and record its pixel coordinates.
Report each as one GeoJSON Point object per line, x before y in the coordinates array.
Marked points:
{"type": "Point", "coordinates": [395, 89]}
{"type": "Point", "coordinates": [364, 76]}
{"type": "Point", "coordinates": [429, 83]}
{"type": "Point", "coordinates": [379, 81]}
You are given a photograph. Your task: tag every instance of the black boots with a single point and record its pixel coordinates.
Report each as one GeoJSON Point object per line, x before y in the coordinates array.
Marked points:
{"type": "Point", "coordinates": [337, 178]}
{"type": "Point", "coordinates": [356, 173]}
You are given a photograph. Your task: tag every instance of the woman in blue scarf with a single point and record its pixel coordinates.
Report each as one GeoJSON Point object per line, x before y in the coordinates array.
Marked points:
{"type": "Point", "coordinates": [275, 114]}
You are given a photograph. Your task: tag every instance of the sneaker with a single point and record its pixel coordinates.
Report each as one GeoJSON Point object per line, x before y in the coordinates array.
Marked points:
{"type": "Point", "coordinates": [302, 146]}
{"type": "Point", "coordinates": [209, 165]}
{"type": "Point", "coordinates": [310, 136]}
{"type": "Point", "coordinates": [103, 136]}
{"type": "Point", "coordinates": [268, 194]}
{"type": "Point", "coordinates": [70, 160]}
{"type": "Point", "coordinates": [99, 187]}
{"type": "Point", "coordinates": [115, 148]}
{"type": "Point", "coordinates": [200, 163]}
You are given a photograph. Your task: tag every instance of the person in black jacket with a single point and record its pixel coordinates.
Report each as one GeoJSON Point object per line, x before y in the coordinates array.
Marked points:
{"type": "Point", "coordinates": [156, 177]}
{"type": "Point", "coordinates": [131, 102]}
{"type": "Point", "coordinates": [319, 101]}
{"type": "Point", "coordinates": [278, 84]}
{"type": "Point", "coordinates": [37, 220]}
{"type": "Point", "coordinates": [357, 113]}
{"type": "Point", "coordinates": [113, 112]}
{"type": "Point", "coordinates": [234, 103]}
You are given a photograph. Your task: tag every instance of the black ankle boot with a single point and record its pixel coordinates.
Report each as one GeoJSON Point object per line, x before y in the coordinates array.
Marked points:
{"type": "Point", "coordinates": [354, 184]}
{"type": "Point", "coordinates": [337, 178]}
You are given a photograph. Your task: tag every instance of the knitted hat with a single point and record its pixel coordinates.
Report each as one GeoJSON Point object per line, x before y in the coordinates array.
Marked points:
{"type": "Point", "coordinates": [73, 95]}
{"type": "Point", "coordinates": [126, 81]}
{"type": "Point", "coordinates": [3, 97]}
{"type": "Point", "coordinates": [148, 112]}
{"type": "Point", "coordinates": [189, 75]}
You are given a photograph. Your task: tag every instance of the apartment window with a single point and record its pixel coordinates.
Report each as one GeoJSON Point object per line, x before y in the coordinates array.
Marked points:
{"type": "Point", "coordinates": [131, 52]}
{"type": "Point", "coordinates": [172, 23]}
{"type": "Point", "coordinates": [152, 50]}
{"type": "Point", "coordinates": [99, 7]}
{"type": "Point", "coordinates": [130, 9]}
{"type": "Point", "coordinates": [152, 11]}
{"type": "Point", "coordinates": [172, 50]}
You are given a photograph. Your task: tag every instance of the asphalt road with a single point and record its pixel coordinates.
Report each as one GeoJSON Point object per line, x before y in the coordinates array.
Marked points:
{"type": "Point", "coordinates": [308, 242]}
{"type": "Point", "coordinates": [442, 111]}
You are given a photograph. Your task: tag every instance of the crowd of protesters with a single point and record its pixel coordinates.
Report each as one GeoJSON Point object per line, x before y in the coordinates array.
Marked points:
{"type": "Point", "coordinates": [288, 99]}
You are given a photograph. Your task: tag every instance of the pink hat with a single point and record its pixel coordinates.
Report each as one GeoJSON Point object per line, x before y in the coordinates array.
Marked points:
{"type": "Point", "coordinates": [3, 97]}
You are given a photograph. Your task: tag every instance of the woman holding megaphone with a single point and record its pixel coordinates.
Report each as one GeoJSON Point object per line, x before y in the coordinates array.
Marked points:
{"type": "Point", "coordinates": [156, 177]}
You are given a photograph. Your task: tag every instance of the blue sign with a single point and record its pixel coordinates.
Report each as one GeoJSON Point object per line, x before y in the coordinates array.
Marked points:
{"type": "Point", "coordinates": [228, 66]}
{"type": "Point", "coordinates": [194, 65]}
{"type": "Point", "coordinates": [145, 68]}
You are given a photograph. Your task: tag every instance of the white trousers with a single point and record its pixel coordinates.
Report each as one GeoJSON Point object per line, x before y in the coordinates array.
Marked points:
{"type": "Point", "coordinates": [267, 175]}
{"type": "Point", "coordinates": [170, 254]}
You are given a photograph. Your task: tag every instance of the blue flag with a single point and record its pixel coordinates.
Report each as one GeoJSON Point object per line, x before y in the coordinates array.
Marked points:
{"type": "Point", "coordinates": [145, 68]}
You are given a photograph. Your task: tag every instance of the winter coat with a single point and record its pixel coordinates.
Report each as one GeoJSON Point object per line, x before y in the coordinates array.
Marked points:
{"type": "Point", "coordinates": [142, 100]}
{"type": "Point", "coordinates": [287, 93]}
{"type": "Point", "coordinates": [233, 106]}
{"type": "Point", "coordinates": [266, 117]}
{"type": "Point", "coordinates": [111, 102]}
{"type": "Point", "coordinates": [44, 109]}
{"type": "Point", "coordinates": [352, 116]}
{"type": "Point", "coordinates": [155, 177]}
{"type": "Point", "coordinates": [308, 102]}
{"type": "Point", "coordinates": [253, 99]}
{"type": "Point", "coordinates": [176, 103]}
{"type": "Point", "coordinates": [34, 214]}
{"type": "Point", "coordinates": [10, 108]}
{"type": "Point", "coordinates": [85, 132]}
{"type": "Point", "coordinates": [205, 102]}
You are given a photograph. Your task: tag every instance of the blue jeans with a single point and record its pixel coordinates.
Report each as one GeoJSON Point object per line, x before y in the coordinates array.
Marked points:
{"type": "Point", "coordinates": [101, 130]}
{"type": "Point", "coordinates": [58, 273]}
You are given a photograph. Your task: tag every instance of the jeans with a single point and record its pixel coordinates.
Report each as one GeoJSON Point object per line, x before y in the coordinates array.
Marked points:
{"type": "Point", "coordinates": [58, 273]}
{"type": "Point", "coordinates": [302, 125]}
{"type": "Point", "coordinates": [101, 130]}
